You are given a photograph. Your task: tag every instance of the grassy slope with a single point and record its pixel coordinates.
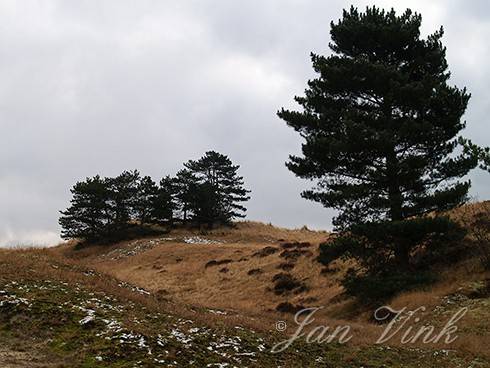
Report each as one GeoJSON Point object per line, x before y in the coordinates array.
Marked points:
{"type": "Point", "coordinates": [45, 294]}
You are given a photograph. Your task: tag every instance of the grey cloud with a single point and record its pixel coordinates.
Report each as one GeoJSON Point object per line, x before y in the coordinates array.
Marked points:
{"type": "Point", "coordinates": [98, 87]}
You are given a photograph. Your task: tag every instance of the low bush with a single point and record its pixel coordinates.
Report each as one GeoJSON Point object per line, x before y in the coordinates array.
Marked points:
{"type": "Point", "coordinates": [286, 307]}
{"type": "Point", "coordinates": [284, 283]}
{"type": "Point", "coordinates": [394, 256]}
{"type": "Point", "coordinates": [377, 288]}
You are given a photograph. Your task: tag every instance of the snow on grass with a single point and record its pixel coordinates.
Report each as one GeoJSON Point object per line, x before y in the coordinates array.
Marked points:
{"type": "Point", "coordinates": [105, 317]}
{"type": "Point", "coordinates": [199, 240]}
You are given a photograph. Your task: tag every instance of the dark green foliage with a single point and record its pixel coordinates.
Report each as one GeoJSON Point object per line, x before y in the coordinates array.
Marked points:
{"type": "Point", "coordinates": [376, 288]}
{"type": "Point", "coordinates": [207, 191]}
{"type": "Point", "coordinates": [111, 208]}
{"type": "Point", "coordinates": [145, 199]}
{"type": "Point", "coordinates": [205, 204]}
{"type": "Point", "coordinates": [89, 215]}
{"type": "Point", "coordinates": [217, 189]}
{"type": "Point", "coordinates": [381, 126]}
{"type": "Point", "coordinates": [394, 256]}
{"type": "Point", "coordinates": [406, 244]}
{"type": "Point", "coordinates": [185, 182]}
{"type": "Point", "coordinates": [381, 123]}
{"type": "Point", "coordinates": [123, 195]}
{"type": "Point", "coordinates": [164, 202]}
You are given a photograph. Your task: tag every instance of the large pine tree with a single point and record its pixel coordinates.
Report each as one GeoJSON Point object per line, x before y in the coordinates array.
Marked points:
{"type": "Point", "coordinates": [381, 123]}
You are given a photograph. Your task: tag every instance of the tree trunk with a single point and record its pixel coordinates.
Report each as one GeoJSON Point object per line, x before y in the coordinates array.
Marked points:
{"type": "Point", "coordinates": [394, 193]}
{"type": "Point", "coordinates": [395, 198]}
{"type": "Point", "coordinates": [402, 256]}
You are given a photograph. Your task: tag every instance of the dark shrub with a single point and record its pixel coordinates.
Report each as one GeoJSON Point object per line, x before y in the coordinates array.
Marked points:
{"type": "Point", "coordinates": [214, 262]}
{"type": "Point", "coordinates": [294, 254]}
{"type": "Point", "coordinates": [378, 288]}
{"type": "Point", "coordinates": [295, 245]}
{"type": "Point", "coordinates": [286, 266]}
{"type": "Point", "coordinates": [476, 219]}
{"type": "Point", "coordinates": [254, 271]}
{"type": "Point", "coordinates": [394, 256]}
{"type": "Point", "coordinates": [264, 252]}
{"type": "Point", "coordinates": [287, 307]}
{"type": "Point", "coordinates": [284, 282]}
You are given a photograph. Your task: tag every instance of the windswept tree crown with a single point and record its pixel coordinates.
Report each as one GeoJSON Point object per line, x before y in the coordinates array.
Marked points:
{"type": "Point", "coordinates": [381, 123]}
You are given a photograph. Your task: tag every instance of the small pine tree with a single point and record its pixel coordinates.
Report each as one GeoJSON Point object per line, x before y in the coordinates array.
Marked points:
{"type": "Point", "coordinates": [219, 172]}
{"type": "Point", "coordinates": [185, 183]}
{"type": "Point", "coordinates": [123, 195]}
{"type": "Point", "coordinates": [89, 215]}
{"type": "Point", "coordinates": [145, 200]}
{"type": "Point", "coordinates": [164, 202]}
{"type": "Point", "coordinates": [205, 205]}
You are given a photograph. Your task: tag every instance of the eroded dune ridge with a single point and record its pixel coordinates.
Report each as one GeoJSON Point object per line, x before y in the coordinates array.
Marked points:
{"type": "Point", "coordinates": [215, 299]}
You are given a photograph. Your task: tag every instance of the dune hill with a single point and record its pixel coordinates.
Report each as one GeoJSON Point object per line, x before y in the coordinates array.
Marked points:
{"type": "Point", "coordinates": [213, 299]}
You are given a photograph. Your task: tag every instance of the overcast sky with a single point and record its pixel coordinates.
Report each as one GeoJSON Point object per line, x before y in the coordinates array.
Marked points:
{"type": "Point", "coordinates": [96, 87]}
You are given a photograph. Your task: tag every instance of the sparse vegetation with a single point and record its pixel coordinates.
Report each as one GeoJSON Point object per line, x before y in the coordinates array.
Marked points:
{"type": "Point", "coordinates": [285, 282]}
{"type": "Point", "coordinates": [264, 252]}
{"type": "Point", "coordinates": [214, 262]}
{"type": "Point", "coordinates": [78, 298]}
{"type": "Point", "coordinates": [286, 307]}
{"type": "Point", "coordinates": [476, 220]}
{"type": "Point", "coordinates": [254, 271]}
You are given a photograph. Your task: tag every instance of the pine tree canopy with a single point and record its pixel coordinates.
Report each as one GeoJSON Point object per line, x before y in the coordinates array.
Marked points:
{"type": "Point", "coordinates": [89, 214]}
{"type": "Point", "coordinates": [382, 123]}
{"type": "Point", "coordinates": [123, 195]}
{"type": "Point", "coordinates": [207, 191]}
{"type": "Point", "coordinates": [185, 182]}
{"type": "Point", "coordinates": [220, 175]}
{"type": "Point", "coordinates": [164, 201]}
{"type": "Point", "coordinates": [146, 196]}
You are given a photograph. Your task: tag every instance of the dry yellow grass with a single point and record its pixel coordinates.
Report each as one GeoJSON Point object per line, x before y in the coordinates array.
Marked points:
{"type": "Point", "coordinates": [176, 274]}
{"type": "Point", "coordinates": [179, 270]}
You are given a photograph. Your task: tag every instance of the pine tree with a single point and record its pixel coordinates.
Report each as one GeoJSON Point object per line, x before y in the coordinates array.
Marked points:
{"type": "Point", "coordinates": [164, 202]}
{"type": "Point", "coordinates": [89, 215]}
{"type": "Point", "coordinates": [123, 194]}
{"type": "Point", "coordinates": [205, 204]}
{"type": "Point", "coordinates": [382, 128]}
{"type": "Point", "coordinates": [381, 122]}
{"type": "Point", "coordinates": [207, 191]}
{"type": "Point", "coordinates": [221, 176]}
{"type": "Point", "coordinates": [145, 200]}
{"type": "Point", "coordinates": [185, 184]}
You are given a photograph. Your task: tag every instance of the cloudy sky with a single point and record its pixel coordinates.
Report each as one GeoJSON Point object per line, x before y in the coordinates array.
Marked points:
{"type": "Point", "coordinates": [90, 87]}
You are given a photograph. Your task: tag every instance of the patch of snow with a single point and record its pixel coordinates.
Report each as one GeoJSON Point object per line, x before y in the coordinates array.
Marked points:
{"type": "Point", "coordinates": [199, 240]}
{"type": "Point", "coordinates": [180, 336]}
